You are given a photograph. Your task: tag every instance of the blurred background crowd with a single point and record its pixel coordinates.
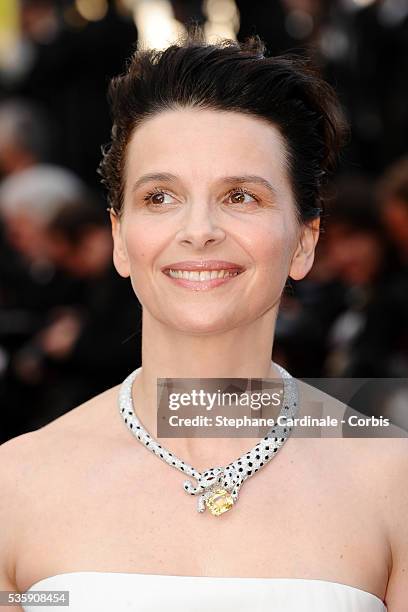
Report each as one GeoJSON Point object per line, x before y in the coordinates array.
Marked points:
{"type": "Point", "coordinates": [69, 325]}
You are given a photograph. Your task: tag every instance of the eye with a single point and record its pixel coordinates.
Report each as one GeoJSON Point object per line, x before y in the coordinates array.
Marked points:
{"type": "Point", "coordinates": [240, 195]}
{"type": "Point", "coordinates": [158, 198]}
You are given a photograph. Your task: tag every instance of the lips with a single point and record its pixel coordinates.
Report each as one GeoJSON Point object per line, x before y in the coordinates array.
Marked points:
{"type": "Point", "coordinates": [202, 274]}
{"type": "Point", "coordinates": [208, 265]}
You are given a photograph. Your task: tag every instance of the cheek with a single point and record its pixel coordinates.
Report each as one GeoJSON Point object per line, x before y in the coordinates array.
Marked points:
{"type": "Point", "coordinates": [138, 250]}
{"type": "Point", "coordinates": [143, 246]}
{"type": "Point", "coordinates": [270, 247]}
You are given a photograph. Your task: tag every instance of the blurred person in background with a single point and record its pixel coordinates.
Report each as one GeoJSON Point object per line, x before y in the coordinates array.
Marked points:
{"type": "Point", "coordinates": [368, 339]}
{"type": "Point", "coordinates": [363, 49]}
{"type": "Point", "coordinates": [51, 220]}
{"type": "Point", "coordinates": [25, 136]}
{"type": "Point", "coordinates": [29, 200]}
{"type": "Point", "coordinates": [393, 197]}
{"type": "Point", "coordinates": [307, 312]}
{"type": "Point", "coordinates": [53, 110]}
{"type": "Point", "coordinates": [66, 62]}
{"type": "Point", "coordinates": [30, 282]}
{"type": "Point", "coordinates": [94, 342]}
{"type": "Point", "coordinates": [349, 256]}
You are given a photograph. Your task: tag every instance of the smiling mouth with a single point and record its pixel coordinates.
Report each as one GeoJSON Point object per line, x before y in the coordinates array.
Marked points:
{"type": "Point", "coordinates": [201, 275]}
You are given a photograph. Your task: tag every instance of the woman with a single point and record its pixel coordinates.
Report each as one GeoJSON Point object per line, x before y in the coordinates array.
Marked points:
{"type": "Point", "coordinates": [216, 163]}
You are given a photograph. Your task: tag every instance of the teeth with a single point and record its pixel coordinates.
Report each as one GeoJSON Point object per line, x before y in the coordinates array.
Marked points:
{"type": "Point", "coordinates": [202, 275]}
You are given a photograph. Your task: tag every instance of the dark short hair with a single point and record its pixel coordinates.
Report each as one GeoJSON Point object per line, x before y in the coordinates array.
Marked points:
{"type": "Point", "coordinates": [285, 90]}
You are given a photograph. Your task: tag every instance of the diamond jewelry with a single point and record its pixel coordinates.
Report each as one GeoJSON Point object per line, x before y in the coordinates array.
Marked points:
{"type": "Point", "coordinates": [218, 487]}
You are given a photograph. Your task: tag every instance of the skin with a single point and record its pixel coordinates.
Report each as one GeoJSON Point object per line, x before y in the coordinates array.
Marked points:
{"type": "Point", "coordinates": [318, 506]}
{"type": "Point", "coordinates": [230, 328]}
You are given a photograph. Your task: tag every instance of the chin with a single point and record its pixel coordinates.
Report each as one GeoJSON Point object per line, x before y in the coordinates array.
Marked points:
{"type": "Point", "coordinates": [195, 325]}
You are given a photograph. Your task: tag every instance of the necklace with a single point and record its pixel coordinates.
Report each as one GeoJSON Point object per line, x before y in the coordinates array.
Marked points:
{"type": "Point", "coordinates": [218, 487]}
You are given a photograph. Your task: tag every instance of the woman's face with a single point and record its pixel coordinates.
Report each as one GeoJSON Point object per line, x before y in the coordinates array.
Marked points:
{"type": "Point", "coordinates": [208, 187]}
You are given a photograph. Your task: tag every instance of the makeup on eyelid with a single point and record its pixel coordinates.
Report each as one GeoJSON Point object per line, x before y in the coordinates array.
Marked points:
{"type": "Point", "coordinates": [160, 191]}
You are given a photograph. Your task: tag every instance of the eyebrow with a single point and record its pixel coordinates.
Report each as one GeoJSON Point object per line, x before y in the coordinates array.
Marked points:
{"type": "Point", "coordinates": [154, 176]}
{"type": "Point", "coordinates": [232, 180]}
{"type": "Point", "coordinates": [251, 178]}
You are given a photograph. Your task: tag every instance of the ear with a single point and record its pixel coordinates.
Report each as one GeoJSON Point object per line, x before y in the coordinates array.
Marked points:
{"type": "Point", "coordinates": [303, 257]}
{"type": "Point", "coordinates": [120, 258]}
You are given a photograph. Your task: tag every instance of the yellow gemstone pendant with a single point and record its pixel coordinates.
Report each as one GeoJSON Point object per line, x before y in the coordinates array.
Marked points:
{"type": "Point", "coordinates": [219, 502]}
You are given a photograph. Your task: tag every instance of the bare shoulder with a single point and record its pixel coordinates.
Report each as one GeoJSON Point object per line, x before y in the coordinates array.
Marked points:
{"type": "Point", "coordinates": [15, 465]}
{"type": "Point", "coordinates": [393, 499]}
{"type": "Point", "coordinates": [382, 463]}
{"type": "Point", "coordinates": [38, 467]}
{"type": "Point", "coordinates": [392, 469]}
{"type": "Point", "coordinates": [382, 468]}
{"type": "Point", "coordinates": [27, 459]}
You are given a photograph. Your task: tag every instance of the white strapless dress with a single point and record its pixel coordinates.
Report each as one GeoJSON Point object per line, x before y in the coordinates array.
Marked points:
{"type": "Point", "coordinates": [117, 592]}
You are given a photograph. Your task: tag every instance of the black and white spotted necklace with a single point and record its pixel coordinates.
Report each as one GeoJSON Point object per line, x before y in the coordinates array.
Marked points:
{"type": "Point", "coordinates": [218, 487]}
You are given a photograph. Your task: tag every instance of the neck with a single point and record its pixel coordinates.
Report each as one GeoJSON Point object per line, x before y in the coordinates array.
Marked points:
{"type": "Point", "coordinates": [243, 352]}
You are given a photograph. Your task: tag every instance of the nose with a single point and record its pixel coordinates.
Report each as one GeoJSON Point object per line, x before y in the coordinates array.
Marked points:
{"type": "Point", "coordinates": [200, 227]}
